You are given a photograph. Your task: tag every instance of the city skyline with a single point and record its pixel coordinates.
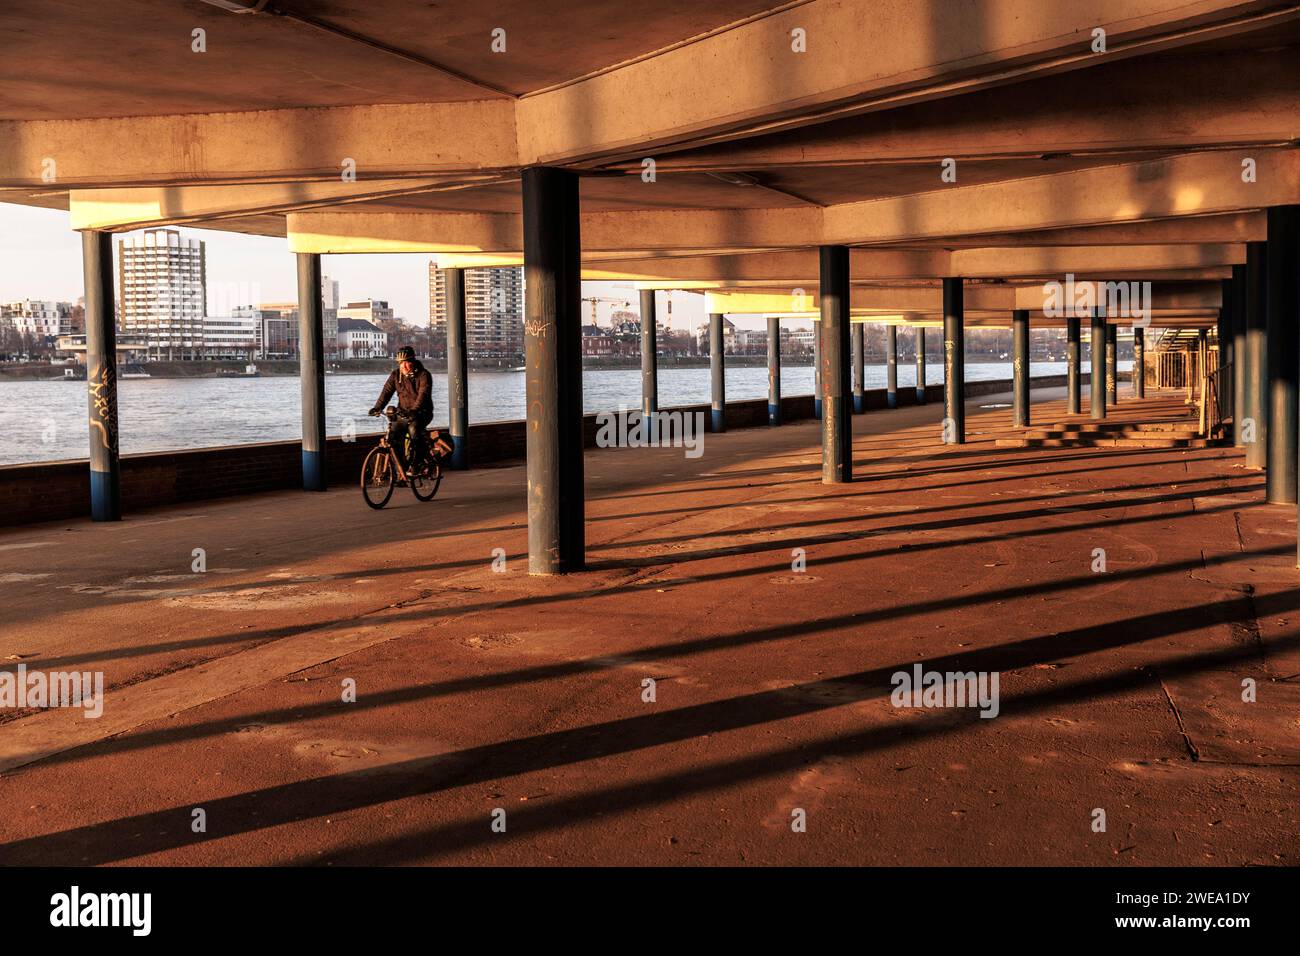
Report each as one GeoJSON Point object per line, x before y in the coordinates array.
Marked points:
{"type": "Point", "coordinates": [41, 258]}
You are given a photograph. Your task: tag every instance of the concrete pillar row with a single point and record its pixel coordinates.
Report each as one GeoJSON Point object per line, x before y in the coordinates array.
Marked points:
{"type": "Point", "coordinates": [717, 373]}
{"type": "Point", "coordinates": [920, 365]}
{"type": "Point", "coordinates": [101, 376]}
{"type": "Point", "coordinates": [311, 370]}
{"type": "Point", "coordinates": [1073, 365]}
{"type": "Point", "coordinates": [954, 363]}
{"type": "Point", "coordinates": [1112, 364]}
{"type": "Point", "coordinates": [1139, 362]}
{"type": "Point", "coordinates": [649, 355]}
{"type": "Point", "coordinates": [837, 422]}
{"type": "Point", "coordinates": [773, 370]}
{"type": "Point", "coordinates": [1097, 384]}
{"type": "Point", "coordinates": [1237, 293]}
{"type": "Point", "coordinates": [553, 355]}
{"type": "Point", "coordinates": [859, 368]}
{"type": "Point", "coordinates": [817, 371]}
{"type": "Point", "coordinates": [457, 368]}
{"type": "Point", "coordinates": [1255, 422]}
{"type": "Point", "coordinates": [891, 366]}
{"type": "Point", "coordinates": [1282, 308]}
{"type": "Point", "coordinates": [1020, 367]}
{"type": "Point", "coordinates": [1223, 336]}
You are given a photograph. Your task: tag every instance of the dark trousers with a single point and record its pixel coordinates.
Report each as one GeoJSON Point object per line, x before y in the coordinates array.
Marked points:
{"type": "Point", "coordinates": [414, 426]}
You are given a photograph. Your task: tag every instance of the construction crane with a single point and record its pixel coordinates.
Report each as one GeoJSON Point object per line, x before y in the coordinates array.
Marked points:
{"type": "Point", "coordinates": [596, 299]}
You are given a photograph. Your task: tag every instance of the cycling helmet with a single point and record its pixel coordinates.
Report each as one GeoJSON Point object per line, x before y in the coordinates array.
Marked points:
{"type": "Point", "coordinates": [406, 354]}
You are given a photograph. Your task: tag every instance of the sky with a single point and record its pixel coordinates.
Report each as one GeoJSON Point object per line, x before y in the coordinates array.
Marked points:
{"type": "Point", "coordinates": [40, 258]}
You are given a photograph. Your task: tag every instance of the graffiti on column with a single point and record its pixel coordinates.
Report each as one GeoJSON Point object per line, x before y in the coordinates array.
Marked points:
{"type": "Point", "coordinates": [103, 411]}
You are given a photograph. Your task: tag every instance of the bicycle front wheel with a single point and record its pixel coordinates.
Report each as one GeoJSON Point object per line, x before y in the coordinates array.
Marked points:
{"type": "Point", "coordinates": [377, 477]}
{"type": "Point", "coordinates": [425, 485]}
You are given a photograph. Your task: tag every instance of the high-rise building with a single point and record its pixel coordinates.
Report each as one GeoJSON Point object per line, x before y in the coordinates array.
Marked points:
{"type": "Point", "coordinates": [329, 292]}
{"type": "Point", "coordinates": [329, 289]}
{"type": "Point", "coordinates": [162, 283]}
{"type": "Point", "coordinates": [494, 310]}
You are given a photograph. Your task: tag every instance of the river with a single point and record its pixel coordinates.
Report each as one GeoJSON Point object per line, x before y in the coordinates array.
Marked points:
{"type": "Point", "coordinates": [46, 420]}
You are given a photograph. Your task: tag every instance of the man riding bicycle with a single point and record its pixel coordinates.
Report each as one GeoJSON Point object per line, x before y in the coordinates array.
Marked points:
{"type": "Point", "coordinates": [413, 385]}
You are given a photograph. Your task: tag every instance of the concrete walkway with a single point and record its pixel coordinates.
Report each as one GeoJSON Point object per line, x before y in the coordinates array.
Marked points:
{"type": "Point", "coordinates": [480, 690]}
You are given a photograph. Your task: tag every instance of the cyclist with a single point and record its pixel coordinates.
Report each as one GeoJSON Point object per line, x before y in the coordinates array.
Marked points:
{"type": "Point", "coordinates": [413, 385]}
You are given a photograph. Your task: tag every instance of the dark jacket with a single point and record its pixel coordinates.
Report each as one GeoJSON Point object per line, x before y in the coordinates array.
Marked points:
{"type": "Point", "coordinates": [414, 391]}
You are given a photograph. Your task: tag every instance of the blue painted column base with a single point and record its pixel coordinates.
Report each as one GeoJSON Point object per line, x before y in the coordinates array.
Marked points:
{"type": "Point", "coordinates": [859, 403]}
{"type": "Point", "coordinates": [891, 399]}
{"type": "Point", "coordinates": [719, 420]}
{"type": "Point", "coordinates": [817, 408]}
{"type": "Point", "coordinates": [459, 452]}
{"type": "Point", "coordinates": [920, 396]}
{"type": "Point", "coordinates": [773, 414]}
{"type": "Point", "coordinates": [313, 471]}
{"type": "Point", "coordinates": [105, 496]}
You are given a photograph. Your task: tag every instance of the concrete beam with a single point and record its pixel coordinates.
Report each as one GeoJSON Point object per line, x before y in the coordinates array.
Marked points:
{"type": "Point", "coordinates": [457, 232]}
{"type": "Point", "coordinates": [1193, 184]}
{"type": "Point", "coordinates": [1186, 185]}
{"type": "Point", "coordinates": [739, 81]}
{"type": "Point", "coordinates": [151, 206]}
{"type": "Point", "coordinates": [384, 141]}
{"type": "Point", "coordinates": [797, 268]}
{"type": "Point", "coordinates": [1157, 103]}
{"type": "Point", "coordinates": [860, 58]}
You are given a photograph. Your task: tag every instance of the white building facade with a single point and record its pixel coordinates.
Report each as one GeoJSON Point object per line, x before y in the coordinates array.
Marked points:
{"type": "Point", "coordinates": [162, 291]}
{"type": "Point", "coordinates": [357, 338]}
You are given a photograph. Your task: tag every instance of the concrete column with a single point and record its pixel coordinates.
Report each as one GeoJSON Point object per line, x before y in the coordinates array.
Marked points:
{"type": "Point", "coordinates": [1223, 336]}
{"type": "Point", "coordinates": [817, 370]}
{"type": "Point", "coordinates": [1020, 367]}
{"type": "Point", "coordinates": [1237, 288]}
{"type": "Point", "coordinates": [1097, 385]}
{"type": "Point", "coordinates": [311, 370]}
{"type": "Point", "coordinates": [1282, 308]}
{"type": "Point", "coordinates": [649, 355]}
{"type": "Point", "coordinates": [1073, 364]}
{"type": "Point", "coordinates": [1139, 362]}
{"type": "Point", "coordinates": [891, 366]}
{"type": "Point", "coordinates": [553, 354]}
{"type": "Point", "coordinates": [837, 425]}
{"type": "Point", "coordinates": [859, 368]}
{"type": "Point", "coordinates": [718, 371]}
{"type": "Point", "coordinates": [457, 368]}
{"type": "Point", "coordinates": [1112, 364]}
{"type": "Point", "coordinates": [101, 376]}
{"type": "Point", "coordinates": [773, 370]}
{"type": "Point", "coordinates": [1202, 383]}
{"type": "Point", "coordinates": [920, 365]}
{"type": "Point", "coordinates": [954, 363]}
{"type": "Point", "coordinates": [1255, 421]}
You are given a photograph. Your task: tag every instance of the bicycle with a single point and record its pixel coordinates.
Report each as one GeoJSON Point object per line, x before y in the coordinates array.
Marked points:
{"type": "Point", "coordinates": [382, 471]}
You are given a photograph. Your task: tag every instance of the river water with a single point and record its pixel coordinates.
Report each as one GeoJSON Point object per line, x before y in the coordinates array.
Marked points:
{"type": "Point", "coordinates": [46, 420]}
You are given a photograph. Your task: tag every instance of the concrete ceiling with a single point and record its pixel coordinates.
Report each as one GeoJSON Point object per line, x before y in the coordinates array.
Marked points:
{"type": "Point", "coordinates": [73, 59]}
{"type": "Point", "coordinates": [1065, 158]}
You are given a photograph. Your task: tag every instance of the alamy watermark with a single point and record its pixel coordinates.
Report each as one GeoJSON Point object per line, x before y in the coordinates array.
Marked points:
{"type": "Point", "coordinates": [1070, 299]}
{"type": "Point", "coordinates": [630, 428]}
{"type": "Point", "coordinates": [24, 688]}
{"type": "Point", "coordinates": [922, 688]}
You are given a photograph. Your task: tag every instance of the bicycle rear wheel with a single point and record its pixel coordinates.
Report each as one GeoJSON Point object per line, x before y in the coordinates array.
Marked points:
{"type": "Point", "coordinates": [425, 486]}
{"type": "Point", "coordinates": [377, 477]}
